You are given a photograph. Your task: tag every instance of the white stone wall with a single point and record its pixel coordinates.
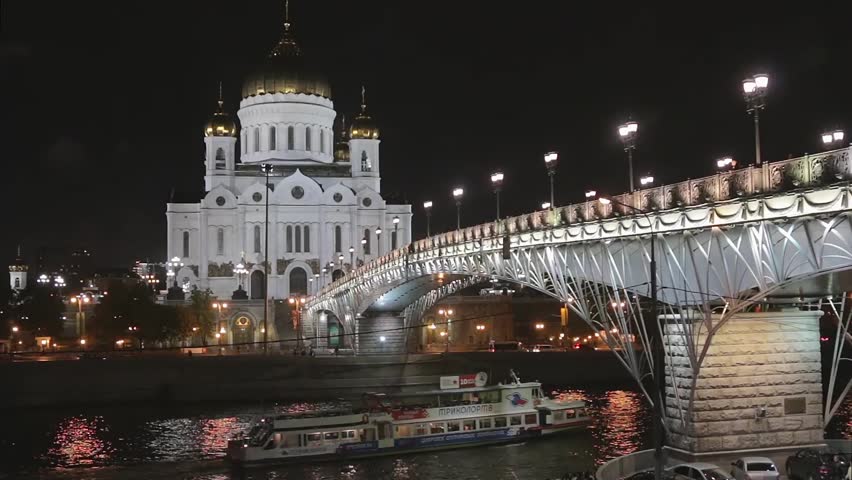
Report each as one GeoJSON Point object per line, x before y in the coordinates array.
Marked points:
{"type": "Point", "coordinates": [755, 361]}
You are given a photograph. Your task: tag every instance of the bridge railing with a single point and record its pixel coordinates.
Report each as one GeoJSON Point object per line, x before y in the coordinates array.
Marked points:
{"type": "Point", "coordinates": [816, 170]}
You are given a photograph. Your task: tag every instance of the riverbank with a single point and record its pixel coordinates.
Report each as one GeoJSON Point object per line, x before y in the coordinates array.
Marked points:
{"type": "Point", "coordinates": [189, 380]}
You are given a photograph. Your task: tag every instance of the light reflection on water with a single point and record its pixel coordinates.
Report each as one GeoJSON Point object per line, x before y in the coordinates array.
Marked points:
{"type": "Point", "coordinates": [151, 442]}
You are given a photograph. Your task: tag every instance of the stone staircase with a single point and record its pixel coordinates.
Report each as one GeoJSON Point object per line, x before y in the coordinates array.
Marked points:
{"type": "Point", "coordinates": [385, 325]}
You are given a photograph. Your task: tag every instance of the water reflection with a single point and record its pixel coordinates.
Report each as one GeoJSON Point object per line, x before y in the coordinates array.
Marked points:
{"type": "Point", "coordinates": [78, 442]}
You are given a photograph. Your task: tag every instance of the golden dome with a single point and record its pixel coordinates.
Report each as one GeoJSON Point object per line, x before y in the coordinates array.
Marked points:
{"type": "Point", "coordinates": [363, 127]}
{"type": "Point", "coordinates": [221, 125]}
{"type": "Point", "coordinates": [285, 71]}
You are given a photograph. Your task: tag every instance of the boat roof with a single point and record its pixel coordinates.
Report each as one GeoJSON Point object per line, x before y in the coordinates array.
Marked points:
{"type": "Point", "coordinates": [421, 393]}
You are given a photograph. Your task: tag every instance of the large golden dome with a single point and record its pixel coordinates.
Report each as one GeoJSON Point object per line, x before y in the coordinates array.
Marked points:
{"type": "Point", "coordinates": [285, 71]}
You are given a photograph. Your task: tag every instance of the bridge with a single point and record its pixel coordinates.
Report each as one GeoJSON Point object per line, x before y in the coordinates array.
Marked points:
{"type": "Point", "coordinates": [749, 258]}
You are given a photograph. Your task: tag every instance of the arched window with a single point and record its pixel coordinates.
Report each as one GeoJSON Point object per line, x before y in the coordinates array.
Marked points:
{"type": "Point", "coordinates": [220, 241]}
{"type": "Point", "coordinates": [298, 281]}
{"type": "Point", "coordinates": [220, 159]}
{"type": "Point", "coordinates": [291, 137]}
{"type": "Point", "coordinates": [365, 162]}
{"type": "Point", "coordinates": [272, 141]}
{"type": "Point", "coordinates": [298, 239]}
{"type": "Point", "coordinates": [289, 237]}
{"type": "Point", "coordinates": [367, 245]}
{"type": "Point", "coordinates": [185, 244]}
{"type": "Point", "coordinates": [17, 283]}
{"type": "Point", "coordinates": [257, 239]}
{"type": "Point", "coordinates": [307, 238]}
{"type": "Point", "coordinates": [338, 239]}
{"type": "Point", "coordinates": [393, 240]}
{"type": "Point", "coordinates": [256, 139]}
{"type": "Point", "coordinates": [308, 138]}
{"type": "Point", "coordinates": [322, 140]}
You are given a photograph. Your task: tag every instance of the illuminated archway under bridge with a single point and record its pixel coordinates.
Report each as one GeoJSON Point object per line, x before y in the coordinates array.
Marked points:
{"type": "Point", "coordinates": [763, 238]}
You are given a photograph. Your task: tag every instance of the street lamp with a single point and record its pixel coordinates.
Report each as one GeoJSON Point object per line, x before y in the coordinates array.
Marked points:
{"type": "Point", "coordinates": [267, 169]}
{"type": "Point", "coordinates": [80, 299]}
{"type": "Point", "coordinates": [43, 279]}
{"type": "Point", "coordinates": [550, 161]}
{"type": "Point", "coordinates": [240, 270]}
{"type": "Point", "coordinates": [830, 138]}
{"type": "Point", "coordinates": [545, 205]}
{"type": "Point", "coordinates": [754, 92]}
{"type": "Point", "coordinates": [629, 133]}
{"type": "Point", "coordinates": [297, 303]}
{"type": "Point", "coordinates": [364, 248]}
{"type": "Point", "coordinates": [726, 163]}
{"type": "Point", "coordinates": [646, 181]}
{"type": "Point", "coordinates": [219, 306]}
{"type": "Point", "coordinates": [591, 193]}
{"type": "Point", "coordinates": [379, 241]}
{"type": "Point", "coordinates": [351, 258]}
{"type": "Point", "coordinates": [427, 206]}
{"type": "Point", "coordinates": [657, 349]}
{"type": "Point", "coordinates": [497, 184]}
{"type": "Point", "coordinates": [395, 233]}
{"type": "Point", "coordinates": [458, 192]}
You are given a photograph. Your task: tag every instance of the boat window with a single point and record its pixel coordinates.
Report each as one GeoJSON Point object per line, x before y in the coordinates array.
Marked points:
{"type": "Point", "coordinates": [492, 396]}
{"type": "Point", "coordinates": [581, 412]}
{"type": "Point", "coordinates": [453, 426]}
{"type": "Point", "coordinates": [535, 393]}
{"type": "Point", "coordinates": [515, 420]}
{"type": "Point", "coordinates": [314, 437]}
{"type": "Point", "coordinates": [332, 435]}
{"type": "Point", "coordinates": [485, 423]}
{"type": "Point", "coordinates": [531, 419]}
{"type": "Point", "coordinates": [421, 429]}
{"type": "Point", "coordinates": [570, 413]}
{"type": "Point", "coordinates": [469, 425]}
{"type": "Point", "coordinates": [558, 416]}
{"type": "Point", "coordinates": [436, 427]}
{"type": "Point", "coordinates": [472, 398]}
{"type": "Point", "coordinates": [347, 434]}
{"type": "Point", "coordinates": [499, 422]}
{"type": "Point", "coordinates": [403, 431]}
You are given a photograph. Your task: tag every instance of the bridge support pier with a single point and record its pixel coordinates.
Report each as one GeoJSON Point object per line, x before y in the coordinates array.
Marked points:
{"type": "Point", "coordinates": [759, 387]}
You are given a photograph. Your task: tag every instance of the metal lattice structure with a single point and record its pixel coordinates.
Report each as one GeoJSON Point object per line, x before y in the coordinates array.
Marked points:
{"type": "Point", "coordinates": [724, 243]}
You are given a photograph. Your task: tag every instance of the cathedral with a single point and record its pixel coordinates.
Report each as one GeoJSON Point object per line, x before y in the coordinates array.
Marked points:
{"type": "Point", "coordinates": [290, 202]}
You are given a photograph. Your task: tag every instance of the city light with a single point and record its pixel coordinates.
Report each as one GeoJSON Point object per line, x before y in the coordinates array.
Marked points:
{"type": "Point", "coordinates": [497, 178]}
{"type": "Point", "coordinates": [604, 201]}
{"type": "Point", "coordinates": [82, 341]}
{"type": "Point", "coordinates": [15, 329]}
{"type": "Point", "coordinates": [545, 205]}
{"type": "Point", "coordinates": [427, 205]}
{"type": "Point", "coordinates": [551, 157]}
{"type": "Point", "coordinates": [458, 192]}
{"type": "Point", "coordinates": [480, 327]}
{"type": "Point", "coordinates": [432, 326]}
{"type": "Point", "coordinates": [591, 193]}
{"type": "Point", "coordinates": [443, 333]}
{"type": "Point", "coordinates": [836, 136]}
{"type": "Point", "coordinates": [539, 326]}
{"type": "Point", "coordinates": [726, 163]}
{"type": "Point", "coordinates": [382, 338]}
{"type": "Point", "coordinates": [647, 180]}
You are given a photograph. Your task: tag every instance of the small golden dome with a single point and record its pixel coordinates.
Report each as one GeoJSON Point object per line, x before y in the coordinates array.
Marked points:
{"type": "Point", "coordinates": [363, 127]}
{"type": "Point", "coordinates": [221, 125]}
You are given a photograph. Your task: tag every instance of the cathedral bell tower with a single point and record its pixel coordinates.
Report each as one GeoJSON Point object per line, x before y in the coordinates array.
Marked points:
{"type": "Point", "coordinates": [364, 145]}
{"type": "Point", "coordinates": [18, 273]}
{"type": "Point", "coordinates": [220, 139]}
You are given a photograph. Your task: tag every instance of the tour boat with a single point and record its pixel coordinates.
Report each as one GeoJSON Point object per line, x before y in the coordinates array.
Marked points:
{"type": "Point", "coordinates": [464, 412]}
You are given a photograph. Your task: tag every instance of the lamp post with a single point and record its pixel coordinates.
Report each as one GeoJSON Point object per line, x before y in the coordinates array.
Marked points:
{"type": "Point", "coordinates": [497, 185]}
{"type": "Point", "coordinates": [646, 181]}
{"type": "Point", "coordinates": [658, 353]}
{"type": "Point", "coordinates": [267, 169]}
{"type": "Point", "coordinates": [754, 92]}
{"type": "Point", "coordinates": [80, 299]}
{"type": "Point", "coordinates": [458, 192]}
{"type": "Point", "coordinates": [219, 306]}
{"type": "Point", "coordinates": [379, 241]}
{"type": "Point", "coordinates": [240, 270]}
{"type": "Point", "coordinates": [351, 258]}
{"type": "Point", "coordinates": [318, 286]}
{"type": "Point", "coordinates": [545, 205]}
{"type": "Point", "coordinates": [395, 242]}
{"type": "Point", "coordinates": [830, 139]}
{"type": "Point", "coordinates": [550, 161]}
{"type": "Point", "coordinates": [447, 323]}
{"type": "Point", "coordinates": [340, 261]}
{"type": "Point", "coordinates": [726, 163]}
{"type": "Point", "coordinates": [43, 280]}
{"type": "Point", "coordinates": [427, 206]}
{"type": "Point", "coordinates": [297, 303]}
{"type": "Point", "coordinates": [364, 248]}
{"type": "Point", "coordinates": [629, 133]}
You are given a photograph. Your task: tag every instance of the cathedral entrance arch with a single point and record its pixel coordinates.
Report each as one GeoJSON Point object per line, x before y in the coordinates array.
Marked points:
{"type": "Point", "coordinates": [257, 280]}
{"type": "Point", "coordinates": [298, 281]}
{"type": "Point", "coordinates": [243, 329]}
{"type": "Point", "coordinates": [335, 275]}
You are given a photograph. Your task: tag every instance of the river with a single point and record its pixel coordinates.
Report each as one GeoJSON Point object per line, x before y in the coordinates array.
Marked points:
{"type": "Point", "coordinates": [188, 443]}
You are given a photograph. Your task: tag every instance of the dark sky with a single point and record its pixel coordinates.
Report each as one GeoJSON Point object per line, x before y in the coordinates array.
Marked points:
{"type": "Point", "coordinates": [102, 103]}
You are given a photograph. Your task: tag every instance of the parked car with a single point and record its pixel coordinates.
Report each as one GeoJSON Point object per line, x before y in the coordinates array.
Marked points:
{"type": "Point", "coordinates": [754, 468]}
{"type": "Point", "coordinates": [699, 471]}
{"type": "Point", "coordinates": [541, 347]}
{"type": "Point", "coordinates": [813, 464]}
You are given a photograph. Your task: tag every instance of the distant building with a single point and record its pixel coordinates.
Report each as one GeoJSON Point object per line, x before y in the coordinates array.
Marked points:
{"type": "Point", "coordinates": [18, 273]}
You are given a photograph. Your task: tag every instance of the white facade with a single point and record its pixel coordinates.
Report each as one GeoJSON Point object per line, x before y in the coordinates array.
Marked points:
{"type": "Point", "coordinates": [319, 205]}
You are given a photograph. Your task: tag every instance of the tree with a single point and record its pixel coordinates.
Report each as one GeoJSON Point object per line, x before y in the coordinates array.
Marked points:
{"type": "Point", "coordinates": [40, 312]}
{"type": "Point", "coordinates": [200, 313]}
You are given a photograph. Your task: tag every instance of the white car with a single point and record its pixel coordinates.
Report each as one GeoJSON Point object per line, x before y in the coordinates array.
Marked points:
{"type": "Point", "coordinates": [699, 471]}
{"type": "Point", "coordinates": [754, 468]}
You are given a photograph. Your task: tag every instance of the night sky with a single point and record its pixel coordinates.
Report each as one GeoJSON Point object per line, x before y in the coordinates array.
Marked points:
{"type": "Point", "coordinates": [102, 103]}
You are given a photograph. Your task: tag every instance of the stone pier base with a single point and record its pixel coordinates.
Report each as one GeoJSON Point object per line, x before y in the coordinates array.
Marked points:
{"type": "Point", "coordinates": [759, 387]}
